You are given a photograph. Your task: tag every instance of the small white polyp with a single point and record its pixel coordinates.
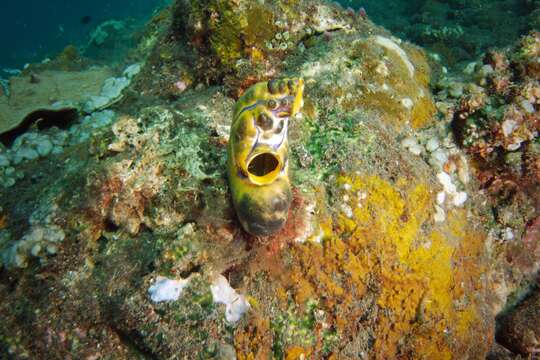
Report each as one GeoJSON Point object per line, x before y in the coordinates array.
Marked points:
{"type": "Point", "coordinates": [235, 304]}
{"type": "Point", "coordinates": [167, 289]}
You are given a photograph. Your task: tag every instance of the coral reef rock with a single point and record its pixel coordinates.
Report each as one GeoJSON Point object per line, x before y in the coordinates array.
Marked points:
{"type": "Point", "coordinates": [123, 242]}
{"type": "Point", "coordinates": [47, 94]}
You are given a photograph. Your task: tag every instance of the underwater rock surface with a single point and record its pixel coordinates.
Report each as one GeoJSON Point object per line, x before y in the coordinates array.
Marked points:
{"type": "Point", "coordinates": [392, 248]}
{"type": "Point", "coordinates": [35, 94]}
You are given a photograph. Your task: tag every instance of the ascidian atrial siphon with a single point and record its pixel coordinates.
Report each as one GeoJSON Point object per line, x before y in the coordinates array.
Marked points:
{"type": "Point", "coordinates": [258, 149]}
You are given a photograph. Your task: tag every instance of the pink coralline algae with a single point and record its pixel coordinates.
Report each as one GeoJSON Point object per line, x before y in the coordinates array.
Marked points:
{"type": "Point", "coordinates": [180, 85]}
{"type": "Point", "coordinates": [362, 13]}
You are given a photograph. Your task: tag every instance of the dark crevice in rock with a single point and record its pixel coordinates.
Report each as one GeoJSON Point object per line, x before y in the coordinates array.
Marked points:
{"type": "Point", "coordinates": [516, 325]}
{"type": "Point", "coordinates": [234, 274]}
{"type": "Point", "coordinates": [41, 119]}
{"type": "Point", "coordinates": [192, 269]}
{"type": "Point", "coordinates": [8, 281]}
{"type": "Point", "coordinates": [317, 33]}
{"type": "Point", "coordinates": [110, 226]}
{"type": "Point", "coordinates": [134, 341]}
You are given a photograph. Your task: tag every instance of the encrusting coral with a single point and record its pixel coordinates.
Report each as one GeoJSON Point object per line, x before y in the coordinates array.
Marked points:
{"type": "Point", "coordinates": [496, 120]}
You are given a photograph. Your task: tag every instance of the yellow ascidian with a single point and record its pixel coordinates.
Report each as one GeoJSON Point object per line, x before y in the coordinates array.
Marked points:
{"type": "Point", "coordinates": [258, 149]}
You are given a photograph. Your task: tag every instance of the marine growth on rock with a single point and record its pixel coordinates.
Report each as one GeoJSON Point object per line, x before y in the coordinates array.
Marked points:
{"type": "Point", "coordinates": [272, 180]}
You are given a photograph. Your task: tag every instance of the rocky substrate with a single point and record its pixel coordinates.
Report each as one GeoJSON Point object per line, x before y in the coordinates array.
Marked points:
{"type": "Point", "coordinates": [118, 237]}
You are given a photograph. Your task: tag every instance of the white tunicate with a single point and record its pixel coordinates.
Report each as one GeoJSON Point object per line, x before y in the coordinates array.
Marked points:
{"type": "Point", "coordinates": [485, 70]}
{"type": "Point", "coordinates": [439, 215]}
{"type": "Point", "coordinates": [4, 160]}
{"type": "Point", "coordinates": [408, 142]}
{"type": "Point", "coordinates": [53, 233]}
{"type": "Point", "coordinates": [441, 196]}
{"type": "Point", "coordinates": [35, 250]}
{"type": "Point", "coordinates": [347, 211]}
{"type": "Point", "coordinates": [455, 90]}
{"type": "Point", "coordinates": [235, 310]}
{"type": "Point", "coordinates": [432, 144]}
{"type": "Point", "coordinates": [111, 90]}
{"type": "Point", "coordinates": [167, 289]}
{"type": "Point", "coordinates": [459, 198]}
{"type": "Point", "coordinates": [527, 106]}
{"type": "Point", "coordinates": [446, 182]}
{"type": "Point", "coordinates": [9, 182]}
{"type": "Point", "coordinates": [516, 145]}
{"type": "Point", "coordinates": [16, 159]}
{"type": "Point", "coordinates": [412, 145]}
{"type": "Point", "coordinates": [30, 136]}
{"type": "Point", "coordinates": [27, 153]}
{"type": "Point", "coordinates": [36, 234]}
{"type": "Point", "coordinates": [52, 249]}
{"type": "Point", "coordinates": [469, 69]}
{"type": "Point", "coordinates": [60, 138]}
{"type": "Point", "coordinates": [83, 136]}
{"type": "Point", "coordinates": [438, 158]}
{"type": "Point", "coordinates": [407, 103]}
{"type": "Point", "coordinates": [17, 143]}
{"type": "Point", "coordinates": [416, 149]}
{"type": "Point", "coordinates": [44, 147]}
{"type": "Point", "coordinates": [39, 241]}
{"type": "Point", "coordinates": [508, 234]}
{"type": "Point", "coordinates": [235, 304]}
{"type": "Point", "coordinates": [508, 126]}
{"type": "Point", "coordinates": [440, 155]}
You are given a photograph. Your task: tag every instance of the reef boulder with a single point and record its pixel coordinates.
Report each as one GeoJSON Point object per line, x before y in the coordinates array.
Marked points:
{"type": "Point", "coordinates": [36, 95]}
{"type": "Point", "coordinates": [384, 253]}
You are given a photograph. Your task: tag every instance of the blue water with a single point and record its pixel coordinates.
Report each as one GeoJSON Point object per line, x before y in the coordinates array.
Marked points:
{"type": "Point", "coordinates": [35, 29]}
{"type": "Point", "coordinates": [458, 31]}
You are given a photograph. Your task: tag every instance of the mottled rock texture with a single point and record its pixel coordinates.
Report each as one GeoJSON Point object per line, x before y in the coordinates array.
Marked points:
{"type": "Point", "coordinates": [361, 269]}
